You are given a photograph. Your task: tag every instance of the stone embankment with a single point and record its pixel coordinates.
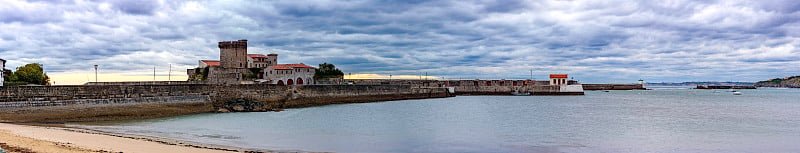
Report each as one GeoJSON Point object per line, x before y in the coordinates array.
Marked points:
{"type": "Point", "coordinates": [112, 102]}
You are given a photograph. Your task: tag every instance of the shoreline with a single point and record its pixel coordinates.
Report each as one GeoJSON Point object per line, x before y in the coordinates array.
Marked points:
{"type": "Point", "coordinates": [59, 138]}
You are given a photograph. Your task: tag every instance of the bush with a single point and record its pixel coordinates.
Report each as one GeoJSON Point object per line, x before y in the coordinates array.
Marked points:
{"type": "Point", "coordinates": [30, 74]}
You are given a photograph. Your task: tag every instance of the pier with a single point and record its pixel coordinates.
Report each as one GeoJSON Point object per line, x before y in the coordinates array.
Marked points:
{"type": "Point", "coordinates": [613, 87]}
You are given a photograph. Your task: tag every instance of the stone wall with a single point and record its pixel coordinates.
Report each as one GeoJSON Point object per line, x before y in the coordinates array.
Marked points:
{"type": "Point", "coordinates": [218, 75]}
{"type": "Point", "coordinates": [331, 81]}
{"type": "Point", "coordinates": [139, 100]}
{"type": "Point", "coordinates": [143, 83]}
{"type": "Point", "coordinates": [126, 100]}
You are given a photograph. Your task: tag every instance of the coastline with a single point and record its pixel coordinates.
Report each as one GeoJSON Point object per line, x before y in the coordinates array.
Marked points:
{"type": "Point", "coordinates": [56, 138]}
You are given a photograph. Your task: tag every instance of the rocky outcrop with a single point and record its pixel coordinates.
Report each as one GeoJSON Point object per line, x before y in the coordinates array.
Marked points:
{"type": "Point", "coordinates": [788, 82]}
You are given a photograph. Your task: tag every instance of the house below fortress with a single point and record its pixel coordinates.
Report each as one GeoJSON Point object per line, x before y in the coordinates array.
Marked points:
{"type": "Point", "coordinates": [236, 66]}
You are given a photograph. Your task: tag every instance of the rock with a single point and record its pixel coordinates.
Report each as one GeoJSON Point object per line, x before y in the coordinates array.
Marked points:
{"type": "Point", "coordinates": [244, 105]}
{"type": "Point", "coordinates": [258, 109]}
{"type": "Point", "coordinates": [238, 108]}
{"type": "Point", "coordinates": [223, 110]}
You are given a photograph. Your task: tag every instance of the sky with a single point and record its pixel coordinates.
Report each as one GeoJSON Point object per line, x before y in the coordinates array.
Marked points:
{"type": "Point", "coordinates": [609, 41]}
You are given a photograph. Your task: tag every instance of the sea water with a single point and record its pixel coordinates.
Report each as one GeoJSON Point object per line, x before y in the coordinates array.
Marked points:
{"type": "Point", "coordinates": [660, 120]}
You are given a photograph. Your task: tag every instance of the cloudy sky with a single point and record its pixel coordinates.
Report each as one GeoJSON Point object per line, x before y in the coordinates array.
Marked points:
{"type": "Point", "coordinates": [594, 41]}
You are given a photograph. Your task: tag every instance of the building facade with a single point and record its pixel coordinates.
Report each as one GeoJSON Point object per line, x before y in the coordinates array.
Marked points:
{"type": "Point", "coordinates": [261, 61]}
{"type": "Point", "coordinates": [289, 74]}
{"type": "Point", "coordinates": [558, 79]}
{"type": "Point", "coordinates": [236, 66]}
{"type": "Point", "coordinates": [2, 75]}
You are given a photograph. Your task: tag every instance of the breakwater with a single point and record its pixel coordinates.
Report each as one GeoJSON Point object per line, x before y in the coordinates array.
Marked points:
{"type": "Point", "coordinates": [108, 102]}
{"type": "Point", "coordinates": [613, 87]}
{"type": "Point", "coordinates": [460, 87]}
{"type": "Point", "coordinates": [486, 87]}
{"type": "Point", "coordinates": [724, 87]}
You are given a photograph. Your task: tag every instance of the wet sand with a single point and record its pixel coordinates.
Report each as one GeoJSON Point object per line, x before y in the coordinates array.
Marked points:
{"type": "Point", "coordinates": [40, 139]}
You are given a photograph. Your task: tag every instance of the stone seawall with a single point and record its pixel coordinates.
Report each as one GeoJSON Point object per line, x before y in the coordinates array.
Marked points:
{"type": "Point", "coordinates": [99, 102]}
{"type": "Point", "coordinates": [109, 101]}
{"type": "Point", "coordinates": [492, 90]}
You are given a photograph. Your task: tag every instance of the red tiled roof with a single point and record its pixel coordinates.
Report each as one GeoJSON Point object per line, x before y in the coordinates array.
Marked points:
{"type": "Point", "coordinates": [273, 54]}
{"type": "Point", "coordinates": [256, 56]}
{"type": "Point", "coordinates": [301, 65]}
{"type": "Point", "coordinates": [281, 67]}
{"type": "Point", "coordinates": [558, 75]}
{"type": "Point", "coordinates": [211, 63]}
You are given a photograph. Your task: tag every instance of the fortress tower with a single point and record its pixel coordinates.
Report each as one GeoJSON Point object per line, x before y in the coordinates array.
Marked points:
{"type": "Point", "coordinates": [233, 54]}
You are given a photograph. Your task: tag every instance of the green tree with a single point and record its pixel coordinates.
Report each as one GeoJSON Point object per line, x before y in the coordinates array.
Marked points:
{"type": "Point", "coordinates": [8, 75]}
{"type": "Point", "coordinates": [327, 70]}
{"type": "Point", "coordinates": [32, 74]}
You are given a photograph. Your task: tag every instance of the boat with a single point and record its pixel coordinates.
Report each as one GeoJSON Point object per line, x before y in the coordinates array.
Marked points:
{"type": "Point", "coordinates": [737, 93]}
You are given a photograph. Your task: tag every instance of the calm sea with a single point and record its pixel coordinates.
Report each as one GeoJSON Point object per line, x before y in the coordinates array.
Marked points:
{"type": "Point", "coordinates": [660, 120]}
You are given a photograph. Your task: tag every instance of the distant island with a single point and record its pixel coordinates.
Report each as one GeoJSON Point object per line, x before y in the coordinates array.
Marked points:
{"type": "Point", "coordinates": [788, 82]}
{"type": "Point", "coordinates": [708, 83]}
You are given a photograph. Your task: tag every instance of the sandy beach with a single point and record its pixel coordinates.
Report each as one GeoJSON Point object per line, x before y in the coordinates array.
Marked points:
{"type": "Point", "coordinates": [38, 139]}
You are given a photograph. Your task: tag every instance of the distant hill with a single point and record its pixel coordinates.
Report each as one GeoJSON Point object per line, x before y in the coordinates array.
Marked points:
{"type": "Point", "coordinates": [788, 82]}
{"type": "Point", "coordinates": [709, 83]}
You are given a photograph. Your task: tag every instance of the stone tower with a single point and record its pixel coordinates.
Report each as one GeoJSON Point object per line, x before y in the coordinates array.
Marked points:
{"type": "Point", "coordinates": [233, 54]}
{"type": "Point", "coordinates": [272, 59]}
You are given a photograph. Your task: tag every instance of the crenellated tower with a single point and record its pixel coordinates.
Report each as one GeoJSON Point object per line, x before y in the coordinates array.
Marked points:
{"type": "Point", "coordinates": [233, 54]}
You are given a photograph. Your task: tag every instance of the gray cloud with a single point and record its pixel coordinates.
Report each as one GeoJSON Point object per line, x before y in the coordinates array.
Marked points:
{"type": "Point", "coordinates": [138, 7]}
{"type": "Point", "coordinates": [596, 41]}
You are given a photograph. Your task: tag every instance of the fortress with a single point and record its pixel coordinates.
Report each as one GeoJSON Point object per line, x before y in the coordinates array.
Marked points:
{"type": "Point", "coordinates": [236, 66]}
{"type": "Point", "coordinates": [233, 54]}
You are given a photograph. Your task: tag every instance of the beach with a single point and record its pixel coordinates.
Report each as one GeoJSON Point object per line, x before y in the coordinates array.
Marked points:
{"type": "Point", "coordinates": [42, 139]}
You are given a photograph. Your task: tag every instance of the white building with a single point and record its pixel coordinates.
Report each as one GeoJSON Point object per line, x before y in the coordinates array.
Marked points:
{"type": "Point", "coordinates": [289, 74]}
{"type": "Point", "coordinates": [558, 79]}
{"type": "Point", "coordinates": [2, 78]}
{"type": "Point", "coordinates": [261, 61]}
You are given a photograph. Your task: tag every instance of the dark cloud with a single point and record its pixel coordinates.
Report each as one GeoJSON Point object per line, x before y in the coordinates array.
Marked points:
{"type": "Point", "coordinates": [138, 7]}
